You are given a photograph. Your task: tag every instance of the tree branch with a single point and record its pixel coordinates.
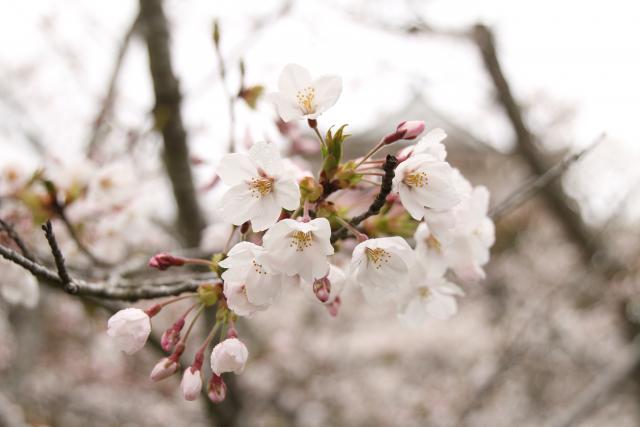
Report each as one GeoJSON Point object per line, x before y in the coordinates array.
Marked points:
{"type": "Point", "coordinates": [168, 119]}
{"type": "Point", "coordinates": [389, 167]}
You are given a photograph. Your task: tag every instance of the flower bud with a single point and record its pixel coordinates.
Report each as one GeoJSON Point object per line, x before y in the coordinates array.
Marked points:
{"type": "Point", "coordinates": [408, 130]}
{"type": "Point", "coordinates": [191, 384]}
{"type": "Point", "coordinates": [333, 307]}
{"type": "Point", "coordinates": [171, 336]}
{"type": "Point", "coordinates": [130, 328]}
{"type": "Point", "coordinates": [217, 389]}
{"type": "Point", "coordinates": [163, 261]}
{"type": "Point", "coordinates": [163, 369]}
{"type": "Point", "coordinates": [229, 355]}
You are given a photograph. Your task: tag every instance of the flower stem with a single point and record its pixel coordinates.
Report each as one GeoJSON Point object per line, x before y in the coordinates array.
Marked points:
{"type": "Point", "coordinates": [313, 124]}
{"type": "Point", "coordinates": [371, 152]}
{"type": "Point", "coordinates": [176, 299]}
{"type": "Point", "coordinates": [193, 322]}
{"type": "Point", "coordinates": [361, 237]}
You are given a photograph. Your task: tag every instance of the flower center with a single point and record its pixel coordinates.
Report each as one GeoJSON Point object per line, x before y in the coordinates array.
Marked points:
{"type": "Point", "coordinates": [305, 99]}
{"type": "Point", "coordinates": [260, 187]}
{"type": "Point", "coordinates": [416, 179]}
{"type": "Point", "coordinates": [424, 293]}
{"type": "Point", "coordinates": [258, 268]}
{"type": "Point", "coordinates": [377, 256]}
{"type": "Point", "coordinates": [301, 240]}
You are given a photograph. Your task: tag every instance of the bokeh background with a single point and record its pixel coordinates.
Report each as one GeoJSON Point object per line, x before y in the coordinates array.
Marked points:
{"type": "Point", "coordinates": [547, 339]}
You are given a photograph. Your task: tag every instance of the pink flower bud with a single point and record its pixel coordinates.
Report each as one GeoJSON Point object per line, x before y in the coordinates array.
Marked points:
{"type": "Point", "coordinates": [162, 261]}
{"type": "Point", "coordinates": [410, 129]}
{"type": "Point", "coordinates": [406, 130]}
{"type": "Point", "coordinates": [191, 384]}
{"type": "Point", "coordinates": [163, 369]}
{"type": "Point", "coordinates": [217, 389]}
{"type": "Point", "coordinates": [171, 336]}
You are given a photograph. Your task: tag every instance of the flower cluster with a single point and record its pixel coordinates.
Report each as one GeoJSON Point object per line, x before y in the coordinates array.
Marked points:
{"type": "Point", "coordinates": [426, 226]}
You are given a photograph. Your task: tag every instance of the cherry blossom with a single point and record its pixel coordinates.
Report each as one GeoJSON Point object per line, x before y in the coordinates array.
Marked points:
{"type": "Point", "coordinates": [130, 329]}
{"type": "Point", "coordinates": [424, 182]}
{"type": "Point", "coordinates": [261, 186]}
{"type": "Point", "coordinates": [297, 247]}
{"type": "Point", "coordinates": [163, 369]}
{"type": "Point", "coordinates": [245, 268]}
{"type": "Point", "coordinates": [429, 297]}
{"type": "Point", "coordinates": [381, 267]}
{"type": "Point", "coordinates": [301, 97]}
{"type": "Point", "coordinates": [229, 355]}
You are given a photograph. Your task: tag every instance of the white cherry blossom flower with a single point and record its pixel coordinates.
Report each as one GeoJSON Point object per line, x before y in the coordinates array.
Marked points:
{"type": "Point", "coordinates": [424, 182]}
{"type": "Point", "coordinates": [18, 286]}
{"type": "Point", "coordinates": [191, 384]}
{"type": "Point", "coordinates": [260, 187]}
{"type": "Point", "coordinates": [130, 328]}
{"type": "Point", "coordinates": [429, 297]}
{"type": "Point", "coordinates": [475, 234]}
{"type": "Point", "coordinates": [250, 285]}
{"type": "Point", "coordinates": [381, 267]}
{"type": "Point", "coordinates": [229, 356]}
{"type": "Point", "coordinates": [429, 252]}
{"type": "Point", "coordinates": [296, 247]}
{"type": "Point", "coordinates": [301, 97]}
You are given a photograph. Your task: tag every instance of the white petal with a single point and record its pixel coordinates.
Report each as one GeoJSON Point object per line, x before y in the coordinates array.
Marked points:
{"type": "Point", "coordinates": [236, 168]}
{"type": "Point", "coordinates": [293, 78]}
{"type": "Point", "coordinates": [287, 107]}
{"type": "Point", "coordinates": [328, 90]}
{"type": "Point", "coordinates": [238, 205]}
{"type": "Point", "coordinates": [287, 193]}
{"type": "Point", "coordinates": [267, 214]}
{"type": "Point", "coordinates": [267, 157]}
{"type": "Point", "coordinates": [410, 202]}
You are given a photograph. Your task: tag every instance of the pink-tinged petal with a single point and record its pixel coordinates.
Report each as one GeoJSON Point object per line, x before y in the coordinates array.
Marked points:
{"type": "Point", "coordinates": [328, 90]}
{"type": "Point", "coordinates": [236, 168]}
{"type": "Point", "coordinates": [292, 79]}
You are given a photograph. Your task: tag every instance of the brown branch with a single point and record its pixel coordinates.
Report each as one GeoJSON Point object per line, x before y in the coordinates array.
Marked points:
{"type": "Point", "coordinates": [527, 146]}
{"type": "Point", "coordinates": [168, 119]}
{"type": "Point", "coordinates": [389, 168]}
{"type": "Point", "coordinates": [63, 274]}
{"type": "Point", "coordinates": [60, 210]}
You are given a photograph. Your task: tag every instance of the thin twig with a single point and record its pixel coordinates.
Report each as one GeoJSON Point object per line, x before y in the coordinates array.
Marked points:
{"type": "Point", "coordinates": [389, 167]}
{"type": "Point", "coordinates": [61, 211]}
{"type": "Point", "coordinates": [63, 274]}
{"type": "Point", "coordinates": [13, 235]}
{"type": "Point", "coordinates": [536, 184]}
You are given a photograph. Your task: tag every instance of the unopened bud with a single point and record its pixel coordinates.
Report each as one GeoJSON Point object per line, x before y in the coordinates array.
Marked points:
{"type": "Point", "coordinates": [171, 336]}
{"type": "Point", "coordinates": [163, 261]}
{"type": "Point", "coordinates": [322, 289]}
{"type": "Point", "coordinates": [163, 369]}
{"type": "Point", "coordinates": [217, 389]}
{"type": "Point", "coordinates": [408, 130]}
{"type": "Point", "coordinates": [333, 307]}
{"type": "Point", "coordinates": [191, 384]}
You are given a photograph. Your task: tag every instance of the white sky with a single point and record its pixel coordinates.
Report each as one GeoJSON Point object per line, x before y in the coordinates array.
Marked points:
{"type": "Point", "coordinates": [580, 56]}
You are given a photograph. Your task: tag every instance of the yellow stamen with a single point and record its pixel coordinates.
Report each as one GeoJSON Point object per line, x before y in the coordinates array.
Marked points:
{"type": "Point", "coordinates": [424, 293]}
{"type": "Point", "coordinates": [305, 99]}
{"type": "Point", "coordinates": [301, 240]}
{"type": "Point", "coordinates": [377, 256]}
{"type": "Point", "coordinates": [260, 187]}
{"type": "Point", "coordinates": [416, 179]}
